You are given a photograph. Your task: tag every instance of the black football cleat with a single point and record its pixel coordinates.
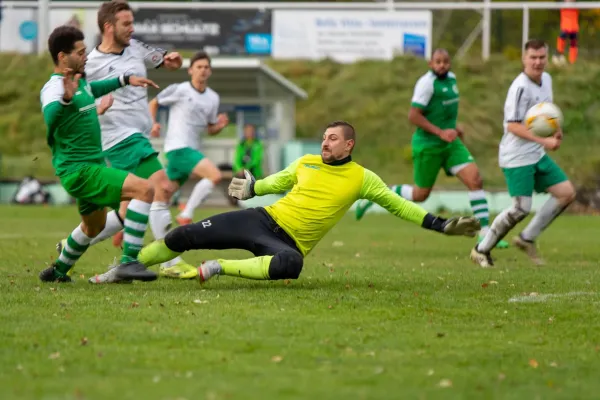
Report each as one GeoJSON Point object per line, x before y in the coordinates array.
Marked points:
{"type": "Point", "coordinates": [135, 270]}
{"type": "Point", "coordinates": [51, 274]}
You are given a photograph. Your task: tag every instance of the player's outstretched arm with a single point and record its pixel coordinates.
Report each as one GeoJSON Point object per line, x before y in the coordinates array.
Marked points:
{"type": "Point", "coordinates": [375, 189]}
{"type": "Point", "coordinates": [105, 86]}
{"type": "Point", "coordinates": [247, 187]}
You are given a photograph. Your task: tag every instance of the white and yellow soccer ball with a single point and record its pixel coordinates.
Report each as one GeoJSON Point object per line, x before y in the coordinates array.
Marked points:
{"type": "Point", "coordinates": [544, 119]}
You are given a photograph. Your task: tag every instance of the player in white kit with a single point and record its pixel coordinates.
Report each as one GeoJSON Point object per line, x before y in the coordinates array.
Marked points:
{"type": "Point", "coordinates": [126, 125]}
{"type": "Point", "coordinates": [524, 162]}
{"type": "Point", "coordinates": [193, 110]}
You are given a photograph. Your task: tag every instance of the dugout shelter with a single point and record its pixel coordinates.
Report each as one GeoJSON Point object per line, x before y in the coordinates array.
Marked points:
{"type": "Point", "coordinates": [250, 92]}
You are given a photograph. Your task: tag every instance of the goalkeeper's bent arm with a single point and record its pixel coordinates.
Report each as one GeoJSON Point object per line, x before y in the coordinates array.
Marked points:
{"type": "Point", "coordinates": [277, 183]}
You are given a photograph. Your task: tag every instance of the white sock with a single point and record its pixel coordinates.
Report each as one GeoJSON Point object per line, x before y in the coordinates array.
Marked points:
{"type": "Point", "coordinates": [112, 226]}
{"type": "Point", "coordinates": [160, 223]}
{"type": "Point", "coordinates": [406, 191]}
{"type": "Point", "coordinates": [504, 222]}
{"type": "Point", "coordinates": [201, 190]}
{"type": "Point", "coordinates": [549, 211]}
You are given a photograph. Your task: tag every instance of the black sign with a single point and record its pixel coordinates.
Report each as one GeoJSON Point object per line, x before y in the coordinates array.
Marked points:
{"type": "Point", "coordinates": [225, 32]}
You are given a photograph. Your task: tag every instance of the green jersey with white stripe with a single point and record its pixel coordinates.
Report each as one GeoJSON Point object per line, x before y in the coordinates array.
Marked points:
{"type": "Point", "coordinates": [439, 99]}
{"type": "Point", "coordinates": [72, 128]}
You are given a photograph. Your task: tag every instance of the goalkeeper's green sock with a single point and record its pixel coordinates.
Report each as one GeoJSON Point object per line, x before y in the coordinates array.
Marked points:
{"type": "Point", "coordinates": [251, 268]}
{"type": "Point", "coordinates": [77, 243]}
{"type": "Point", "coordinates": [156, 252]}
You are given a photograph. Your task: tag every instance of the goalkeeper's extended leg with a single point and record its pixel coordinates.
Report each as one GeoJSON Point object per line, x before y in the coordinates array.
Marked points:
{"type": "Point", "coordinates": [74, 247]}
{"type": "Point", "coordinates": [277, 256]}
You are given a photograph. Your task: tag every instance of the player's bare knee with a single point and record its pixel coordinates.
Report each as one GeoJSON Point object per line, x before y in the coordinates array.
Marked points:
{"type": "Point", "coordinates": [568, 196]}
{"type": "Point", "coordinates": [146, 191]}
{"type": "Point", "coordinates": [92, 230]}
{"type": "Point", "coordinates": [216, 177]}
{"type": "Point", "coordinates": [286, 264]}
{"type": "Point", "coordinates": [420, 195]}
{"type": "Point", "coordinates": [475, 183]}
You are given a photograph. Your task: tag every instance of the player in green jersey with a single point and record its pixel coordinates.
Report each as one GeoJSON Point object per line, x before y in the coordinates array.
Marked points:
{"type": "Point", "coordinates": [437, 144]}
{"type": "Point", "coordinates": [320, 190]}
{"type": "Point", "coordinates": [74, 137]}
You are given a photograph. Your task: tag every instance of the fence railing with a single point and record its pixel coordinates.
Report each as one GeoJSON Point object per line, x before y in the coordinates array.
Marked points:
{"type": "Point", "coordinates": [485, 7]}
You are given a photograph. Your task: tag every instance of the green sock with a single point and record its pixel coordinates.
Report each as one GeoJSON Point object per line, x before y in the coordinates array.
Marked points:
{"type": "Point", "coordinates": [156, 253]}
{"type": "Point", "coordinates": [251, 268]}
{"type": "Point", "coordinates": [136, 221]}
{"type": "Point", "coordinates": [77, 244]}
{"type": "Point", "coordinates": [479, 206]}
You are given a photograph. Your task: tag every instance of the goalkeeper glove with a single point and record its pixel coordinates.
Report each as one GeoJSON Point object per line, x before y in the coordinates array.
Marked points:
{"type": "Point", "coordinates": [242, 188]}
{"type": "Point", "coordinates": [455, 226]}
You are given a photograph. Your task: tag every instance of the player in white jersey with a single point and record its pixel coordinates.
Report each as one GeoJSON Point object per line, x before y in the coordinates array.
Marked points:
{"type": "Point", "coordinates": [126, 125]}
{"type": "Point", "coordinates": [524, 162]}
{"type": "Point", "coordinates": [193, 108]}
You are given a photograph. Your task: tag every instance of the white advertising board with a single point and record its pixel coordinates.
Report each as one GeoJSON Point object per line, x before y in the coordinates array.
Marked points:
{"type": "Point", "coordinates": [19, 28]}
{"type": "Point", "coordinates": [351, 35]}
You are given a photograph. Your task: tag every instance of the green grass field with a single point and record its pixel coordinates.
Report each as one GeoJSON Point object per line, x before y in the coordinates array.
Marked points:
{"type": "Point", "coordinates": [383, 309]}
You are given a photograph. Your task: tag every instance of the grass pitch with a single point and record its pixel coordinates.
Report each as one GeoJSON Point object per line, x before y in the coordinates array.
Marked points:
{"type": "Point", "coordinates": [382, 309]}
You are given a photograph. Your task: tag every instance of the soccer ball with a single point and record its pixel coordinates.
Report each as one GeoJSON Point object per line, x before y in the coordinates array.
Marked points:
{"type": "Point", "coordinates": [544, 119]}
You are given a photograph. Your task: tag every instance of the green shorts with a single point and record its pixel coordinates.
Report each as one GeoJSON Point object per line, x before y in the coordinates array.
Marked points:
{"type": "Point", "coordinates": [181, 163]}
{"type": "Point", "coordinates": [95, 186]}
{"type": "Point", "coordinates": [136, 155]}
{"type": "Point", "coordinates": [427, 161]}
{"type": "Point", "coordinates": [522, 181]}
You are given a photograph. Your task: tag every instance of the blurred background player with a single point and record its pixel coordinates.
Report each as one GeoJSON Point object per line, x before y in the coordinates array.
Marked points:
{"type": "Point", "coordinates": [193, 108]}
{"type": "Point", "coordinates": [126, 124]}
{"type": "Point", "coordinates": [321, 190]}
{"type": "Point", "coordinates": [74, 137]}
{"type": "Point", "coordinates": [569, 29]}
{"type": "Point", "coordinates": [436, 143]}
{"type": "Point", "coordinates": [248, 154]}
{"type": "Point", "coordinates": [525, 164]}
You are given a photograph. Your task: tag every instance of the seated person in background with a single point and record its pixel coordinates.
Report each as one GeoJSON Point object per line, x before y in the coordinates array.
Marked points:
{"type": "Point", "coordinates": [248, 154]}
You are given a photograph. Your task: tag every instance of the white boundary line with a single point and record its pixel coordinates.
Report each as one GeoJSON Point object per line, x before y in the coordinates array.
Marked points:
{"type": "Point", "coordinates": [540, 298]}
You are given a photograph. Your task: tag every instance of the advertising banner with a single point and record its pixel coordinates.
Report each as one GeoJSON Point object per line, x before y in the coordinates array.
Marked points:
{"type": "Point", "coordinates": [224, 32]}
{"type": "Point", "coordinates": [349, 36]}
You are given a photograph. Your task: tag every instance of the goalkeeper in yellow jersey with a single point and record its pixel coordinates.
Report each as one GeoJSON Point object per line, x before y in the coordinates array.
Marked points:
{"type": "Point", "coordinates": [321, 190]}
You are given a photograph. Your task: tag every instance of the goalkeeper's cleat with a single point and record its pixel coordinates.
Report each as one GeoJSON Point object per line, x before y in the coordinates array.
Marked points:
{"type": "Point", "coordinates": [461, 226]}
{"type": "Point", "coordinates": [208, 269]}
{"type": "Point", "coordinates": [118, 239]}
{"type": "Point", "coordinates": [180, 270]}
{"type": "Point", "coordinates": [484, 260]}
{"type": "Point", "coordinates": [51, 274]}
{"type": "Point", "coordinates": [361, 208]}
{"type": "Point", "coordinates": [135, 270]}
{"type": "Point", "coordinates": [529, 248]}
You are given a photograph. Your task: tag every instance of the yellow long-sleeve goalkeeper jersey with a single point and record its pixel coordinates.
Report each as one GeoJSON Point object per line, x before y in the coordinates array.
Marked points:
{"type": "Point", "coordinates": [322, 193]}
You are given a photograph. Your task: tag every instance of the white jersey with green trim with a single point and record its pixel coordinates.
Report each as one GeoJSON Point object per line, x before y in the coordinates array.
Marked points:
{"type": "Point", "coordinates": [129, 113]}
{"type": "Point", "coordinates": [522, 95]}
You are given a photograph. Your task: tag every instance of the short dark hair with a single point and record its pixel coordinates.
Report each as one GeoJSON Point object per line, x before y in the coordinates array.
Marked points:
{"type": "Point", "coordinates": [535, 44]}
{"type": "Point", "coordinates": [108, 12]}
{"type": "Point", "coordinates": [201, 55]}
{"type": "Point", "coordinates": [63, 39]}
{"type": "Point", "coordinates": [347, 129]}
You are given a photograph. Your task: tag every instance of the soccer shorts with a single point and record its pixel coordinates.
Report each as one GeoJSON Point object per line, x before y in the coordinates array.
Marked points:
{"type": "Point", "coordinates": [94, 187]}
{"type": "Point", "coordinates": [252, 229]}
{"type": "Point", "coordinates": [181, 163]}
{"type": "Point", "coordinates": [136, 155]}
{"type": "Point", "coordinates": [522, 181]}
{"type": "Point", "coordinates": [427, 162]}
{"type": "Point", "coordinates": [572, 35]}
